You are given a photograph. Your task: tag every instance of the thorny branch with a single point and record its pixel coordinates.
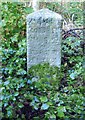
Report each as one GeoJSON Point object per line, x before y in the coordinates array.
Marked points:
{"type": "Point", "coordinates": [72, 32]}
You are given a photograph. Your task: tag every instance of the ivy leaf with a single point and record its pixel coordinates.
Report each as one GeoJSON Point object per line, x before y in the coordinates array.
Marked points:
{"type": "Point", "coordinates": [72, 76]}
{"type": "Point", "coordinates": [20, 105]}
{"type": "Point", "coordinates": [53, 117]}
{"type": "Point", "coordinates": [29, 82]}
{"type": "Point", "coordinates": [61, 114]}
{"type": "Point", "coordinates": [14, 38]}
{"type": "Point", "coordinates": [36, 99]}
{"type": "Point", "coordinates": [44, 106]}
{"type": "Point", "coordinates": [61, 110]}
{"type": "Point", "coordinates": [6, 82]}
{"type": "Point", "coordinates": [36, 106]}
{"type": "Point", "coordinates": [43, 99]}
{"type": "Point", "coordinates": [21, 72]}
{"type": "Point", "coordinates": [16, 94]}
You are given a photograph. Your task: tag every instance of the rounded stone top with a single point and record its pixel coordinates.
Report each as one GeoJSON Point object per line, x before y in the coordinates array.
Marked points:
{"type": "Point", "coordinates": [45, 14]}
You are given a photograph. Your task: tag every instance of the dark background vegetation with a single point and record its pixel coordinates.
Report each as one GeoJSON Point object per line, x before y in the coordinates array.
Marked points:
{"type": "Point", "coordinates": [45, 92]}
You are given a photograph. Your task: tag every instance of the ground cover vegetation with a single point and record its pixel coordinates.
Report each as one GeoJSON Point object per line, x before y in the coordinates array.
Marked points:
{"type": "Point", "coordinates": [45, 92]}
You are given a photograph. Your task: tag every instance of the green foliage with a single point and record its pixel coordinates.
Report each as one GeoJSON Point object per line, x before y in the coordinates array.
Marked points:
{"type": "Point", "coordinates": [14, 73]}
{"type": "Point", "coordinates": [48, 76]}
{"type": "Point", "coordinates": [65, 103]}
{"type": "Point", "coordinates": [72, 59]}
{"type": "Point", "coordinates": [71, 10]}
{"type": "Point", "coordinates": [46, 92]}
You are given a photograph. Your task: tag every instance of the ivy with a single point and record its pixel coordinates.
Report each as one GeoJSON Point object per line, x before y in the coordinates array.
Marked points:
{"type": "Point", "coordinates": [44, 92]}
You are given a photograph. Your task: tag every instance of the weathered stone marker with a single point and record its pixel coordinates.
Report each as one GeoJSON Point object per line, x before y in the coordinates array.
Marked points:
{"type": "Point", "coordinates": [44, 38]}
